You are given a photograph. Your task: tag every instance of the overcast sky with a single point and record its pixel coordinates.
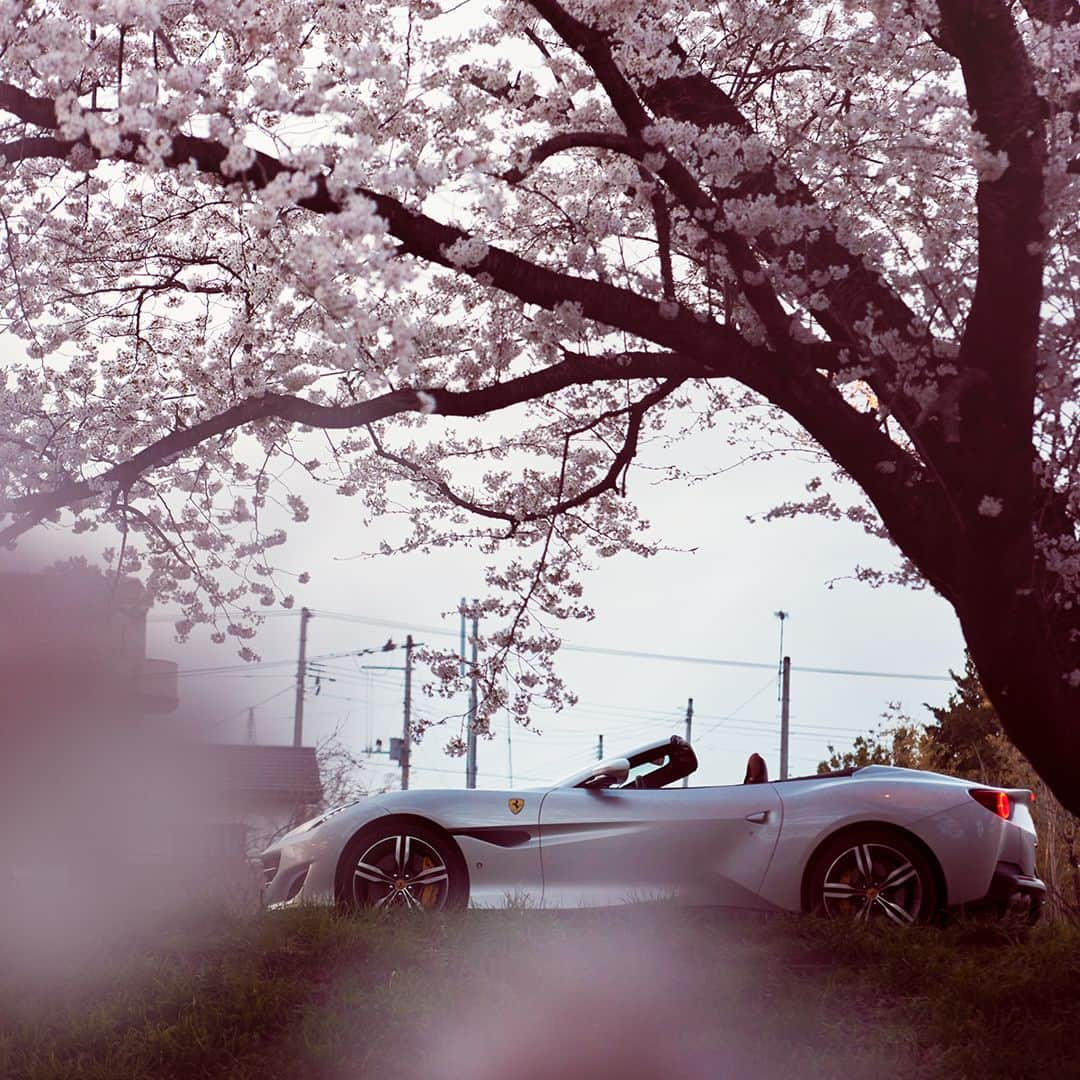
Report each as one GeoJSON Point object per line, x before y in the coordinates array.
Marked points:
{"type": "Point", "coordinates": [713, 607]}
{"type": "Point", "coordinates": [716, 605]}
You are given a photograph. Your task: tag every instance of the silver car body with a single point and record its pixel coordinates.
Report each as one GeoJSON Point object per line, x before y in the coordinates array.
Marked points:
{"type": "Point", "coordinates": [743, 845]}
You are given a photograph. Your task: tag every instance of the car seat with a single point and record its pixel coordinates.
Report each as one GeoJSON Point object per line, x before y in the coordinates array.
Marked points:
{"type": "Point", "coordinates": [757, 772]}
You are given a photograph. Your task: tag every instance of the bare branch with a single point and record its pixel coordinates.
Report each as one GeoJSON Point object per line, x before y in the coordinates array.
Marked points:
{"type": "Point", "coordinates": [635, 413]}
{"type": "Point", "coordinates": [663, 241]}
{"type": "Point", "coordinates": [577, 371]}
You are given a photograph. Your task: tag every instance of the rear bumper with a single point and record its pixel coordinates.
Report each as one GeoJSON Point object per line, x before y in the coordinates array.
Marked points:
{"type": "Point", "coordinates": [1013, 891]}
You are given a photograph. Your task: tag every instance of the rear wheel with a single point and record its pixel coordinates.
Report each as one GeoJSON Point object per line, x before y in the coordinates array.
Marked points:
{"type": "Point", "coordinates": [873, 875]}
{"type": "Point", "coordinates": [406, 865]}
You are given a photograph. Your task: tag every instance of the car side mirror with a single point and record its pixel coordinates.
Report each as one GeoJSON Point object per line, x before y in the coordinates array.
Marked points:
{"type": "Point", "coordinates": [608, 773]}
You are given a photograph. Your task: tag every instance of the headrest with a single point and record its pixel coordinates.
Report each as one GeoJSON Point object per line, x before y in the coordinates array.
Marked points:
{"type": "Point", "coordinates": [757, 772]}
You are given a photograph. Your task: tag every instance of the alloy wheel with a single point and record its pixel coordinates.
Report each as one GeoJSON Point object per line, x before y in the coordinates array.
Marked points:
{"type": "Point", "coordinates": [401, 871]}
{"type": "Point", "coordinates": [870, 881]}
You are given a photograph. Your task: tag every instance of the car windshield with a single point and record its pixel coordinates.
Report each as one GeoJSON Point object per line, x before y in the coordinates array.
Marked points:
{"type": "Point", "coordinates": [643, 774]}
{"type": "Point", "coordinates": [652, 766]}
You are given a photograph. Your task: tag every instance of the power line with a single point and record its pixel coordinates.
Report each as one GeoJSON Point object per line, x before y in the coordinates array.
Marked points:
{"type": "Point", "coordinates": [756, 694]}
{"type": "Point", "coordinates": [163, 617]}
{"type": "Point", "coordinates": [595, 650]}
{"type": "Point", "coordinates": [638, 720]}
{"type": "Point", "coordinates": [641, 655]}
{"type": "Point", "coordinates": [226, 669]}
{"type": "Point", "coordinates": [497, 776]}
{"type": "Point", "coordinates": [718, 662]}
{"type": "Point", "coordinates": [358, 690]}
{"type": "Point", "coordinates": [243, 709]}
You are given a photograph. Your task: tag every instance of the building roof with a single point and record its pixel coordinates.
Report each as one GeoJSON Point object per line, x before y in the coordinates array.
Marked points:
{"type": "Point", "coordinates": [286, 771]}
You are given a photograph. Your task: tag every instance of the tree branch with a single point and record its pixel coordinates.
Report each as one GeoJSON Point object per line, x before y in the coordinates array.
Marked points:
{"type": "Point", "coordinates": [788, 376]}
{"type": "Point", "coordinates": [609, 482]}
{"type": "Point", "coordinates": [595, 48]}
{"type": "Point", "coordinates": [999, 340]}
{"type": "Point", "coordinates": [663, 241]}
{"type": "Point", "coordinates": [32, 508]}
{"type": "Point", "coordinates": [31, 110]}
{"type": "Point", "coordinates": [1053, 12]}
{"type": "Point", "coordinates": [431, 240]}
{"type": "Point", "coordinates": [691, 97]}
{"type": "Point", "coordinates": [572, 140]}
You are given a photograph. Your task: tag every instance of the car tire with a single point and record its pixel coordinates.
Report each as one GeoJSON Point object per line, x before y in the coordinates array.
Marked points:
{"type": "Point", "coordinates": [402, 864]}
{"type": "Point", "coordinates": [873, 875]}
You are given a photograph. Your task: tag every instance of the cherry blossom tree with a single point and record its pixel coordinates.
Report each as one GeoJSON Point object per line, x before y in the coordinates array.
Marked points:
{"type": "Point", "coordinates": [487, 252]}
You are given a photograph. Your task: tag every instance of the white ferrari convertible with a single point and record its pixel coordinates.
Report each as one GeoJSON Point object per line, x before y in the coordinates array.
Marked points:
{"type": "Point", "coordinates": [868, 843]}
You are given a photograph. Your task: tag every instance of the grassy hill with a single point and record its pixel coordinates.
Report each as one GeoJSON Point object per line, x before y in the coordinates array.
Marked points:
{"type": "Point", "coordinates": [644, 991]}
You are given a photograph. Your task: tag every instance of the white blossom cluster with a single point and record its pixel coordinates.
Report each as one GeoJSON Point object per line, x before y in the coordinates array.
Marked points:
{"type": "Point", "coordinates": [337, 203]}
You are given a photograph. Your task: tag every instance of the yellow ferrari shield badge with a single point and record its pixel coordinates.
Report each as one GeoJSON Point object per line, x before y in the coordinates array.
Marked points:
{"type": "Point", "coordinates": [516, 806]}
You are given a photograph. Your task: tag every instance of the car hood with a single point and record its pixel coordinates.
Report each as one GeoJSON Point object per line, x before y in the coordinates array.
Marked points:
{"type": "Point", "coordinates": [449, 807]}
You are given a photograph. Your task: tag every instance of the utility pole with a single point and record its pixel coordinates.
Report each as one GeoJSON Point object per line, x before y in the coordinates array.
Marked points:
{"type": "Point", "coordinates": [470, 754]}
{"type": "Point", "coordinates": [301, 675]}
{"type": "Point", "coordinates": [785, 702]}
{"type": "Point", "coordinates": [509, 743]}
{"type": "Point", "coordinates": [782, 695]}
{"type": "Point", "coordinates": [461, 672]}
{"type": "Point", "coordinates": [689, 725]}
{"type": "Point", "coordinates": [251, 726]}
{"type": "Point", "coordinates": [509, 747]}
{"type": "Point", "coordinates": [600, 748]}
{"type": "Point", "coordinates": [406, 731]}
{"type": "Point", "coordinates": [461, 666]}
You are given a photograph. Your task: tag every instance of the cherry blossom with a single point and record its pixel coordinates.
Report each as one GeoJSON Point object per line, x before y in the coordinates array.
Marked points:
{"type": "Point", "coordinates": [465, 265]}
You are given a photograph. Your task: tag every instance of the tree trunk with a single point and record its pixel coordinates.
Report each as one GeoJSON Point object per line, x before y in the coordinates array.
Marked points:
{"type": "Point", "coordinates": [1020, 663]}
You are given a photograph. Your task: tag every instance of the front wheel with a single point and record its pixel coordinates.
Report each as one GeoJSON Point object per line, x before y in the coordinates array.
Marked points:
{"type": "Point", "coordinates": [873, 875]}
{"type": "Point", "coordinates": [406, 865]}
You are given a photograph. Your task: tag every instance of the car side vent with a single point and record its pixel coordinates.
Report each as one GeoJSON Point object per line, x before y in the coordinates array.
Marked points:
{"type": "Point", "coordinates": [270, 864]}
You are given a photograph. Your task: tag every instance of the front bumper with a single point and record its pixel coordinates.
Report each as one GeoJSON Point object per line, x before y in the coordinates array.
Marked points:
{"type": "Point", "coordinates": [297, 874]}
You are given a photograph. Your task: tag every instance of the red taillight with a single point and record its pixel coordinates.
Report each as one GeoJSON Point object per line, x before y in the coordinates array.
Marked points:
{"type": "Point", "coordinates": [995, 801]}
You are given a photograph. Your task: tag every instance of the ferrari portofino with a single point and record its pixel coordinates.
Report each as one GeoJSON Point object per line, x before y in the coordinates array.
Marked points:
{"type": "Point", "coordinates": [876, 842]}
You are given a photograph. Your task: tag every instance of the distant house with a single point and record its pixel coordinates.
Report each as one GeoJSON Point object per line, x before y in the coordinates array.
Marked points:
{"type": "Point", "coordinates": [76, 694]}
{"type": "Point", "coordinates": [82, 757]}
{"type": "Point", "coordinates": [73, 644]}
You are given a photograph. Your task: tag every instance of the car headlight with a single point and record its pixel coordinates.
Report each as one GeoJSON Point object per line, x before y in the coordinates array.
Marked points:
{"type": "Point", "coordinates": [315, 822]}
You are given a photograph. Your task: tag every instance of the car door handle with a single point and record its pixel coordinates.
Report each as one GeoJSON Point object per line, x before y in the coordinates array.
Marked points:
{"type": "Point", "coordinates": [758, 818]}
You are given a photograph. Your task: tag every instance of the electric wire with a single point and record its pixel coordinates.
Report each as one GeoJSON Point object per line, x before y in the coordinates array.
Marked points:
{"type": "Point", "coordinates": [756, 694]}
{"type": "Point", "coordinates": [642, 655]}
{"type": "Point", "coordinates": [636, 654]}
{"type": "Point", "coordinates": [633, 722]}
{"type": "Point", "coordinates": [244, 709]}
{"type": "Point", "coordinates": [567, 647]}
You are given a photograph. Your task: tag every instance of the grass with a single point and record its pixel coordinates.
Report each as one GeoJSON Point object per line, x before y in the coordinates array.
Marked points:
{"type": "Point", "coordinates": [648, 990]}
